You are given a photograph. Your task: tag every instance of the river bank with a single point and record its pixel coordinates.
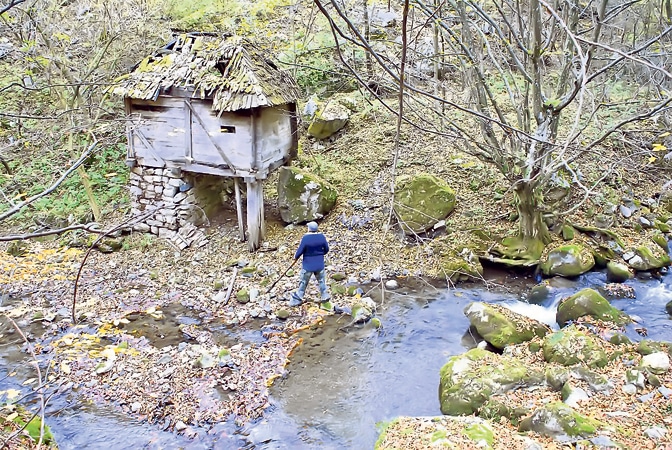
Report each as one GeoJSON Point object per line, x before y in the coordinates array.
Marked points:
{"type": "Point", "coordinates": [190, 381]}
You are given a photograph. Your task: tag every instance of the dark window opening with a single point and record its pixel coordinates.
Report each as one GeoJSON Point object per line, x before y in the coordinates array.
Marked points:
{"type": "Point", "coordinates": [227, 129]}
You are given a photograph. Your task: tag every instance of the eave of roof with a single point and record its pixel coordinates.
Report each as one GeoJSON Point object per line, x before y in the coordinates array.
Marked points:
{"type": "Point", "coordinates": [232, 72]}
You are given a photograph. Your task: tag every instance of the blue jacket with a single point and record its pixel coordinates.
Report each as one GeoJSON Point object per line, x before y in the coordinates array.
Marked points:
{"type": "Point", "coordinates": [313, 247]}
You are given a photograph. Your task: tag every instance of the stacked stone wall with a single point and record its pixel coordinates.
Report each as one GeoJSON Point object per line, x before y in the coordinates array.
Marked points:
{"type": "Point", "coordinates": [174, 203]}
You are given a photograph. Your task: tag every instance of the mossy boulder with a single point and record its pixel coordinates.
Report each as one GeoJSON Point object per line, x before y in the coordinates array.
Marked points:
{"type": "Point", "coordinates": [462, 267]}
{"type": "Point", "coordinates": [589, 302]}
{"type": "Point", "coordinates": [422, 201]}
{"type": "Point", "coordinates": [556, 376]}
{"type": "Point", "coordinates": [618, 272]}
{"type": "Point", "coordinates": [243, 296]}
{"type": "Point", "coordinates": [647, 346]}
{"type": "Point", "coordinates": [337, 289]}
{"type": "Point", "coordinates": [302, 196]}
{"type": "Point", "coordinates": [668, 307]}
{"type": "Point", "coordinates": [567, 232]}
{"type": "Point", "coordinates": [659, 239]}
{"type": "Point", "coordinates": [647, 257]}
{"type": "Point", "coordinates": [567, 261]}
{"type": "Point", "coordinates": [469, 380]}
{"type": "Point", "coordinates": [331, 118]}
{"type": "Point", "coordinates": [570, 346]}
{"type": "Point", "coordinates": [517, 251]}
{"type": "Point", "coordinates": [558, 420]}
{"type": "Point", "coordinates": [500, 326]}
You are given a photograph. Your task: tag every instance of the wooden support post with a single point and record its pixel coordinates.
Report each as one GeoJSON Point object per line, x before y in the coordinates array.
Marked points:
{"type": "Point", "coordinates": [239, 209]}
{"type": "Point", "coordinates": [255, 214]}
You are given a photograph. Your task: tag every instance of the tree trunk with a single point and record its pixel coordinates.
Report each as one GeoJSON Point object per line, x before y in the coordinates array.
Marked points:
{"type": "Point", "coordinates": [531, 221]}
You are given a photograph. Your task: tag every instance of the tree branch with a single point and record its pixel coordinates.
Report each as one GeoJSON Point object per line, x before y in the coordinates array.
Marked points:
{"type": "Point", "coordinates": [48, 191]}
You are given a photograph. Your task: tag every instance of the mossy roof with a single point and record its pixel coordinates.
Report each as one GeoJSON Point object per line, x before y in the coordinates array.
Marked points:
{"type": "Point", "coordinates": [231, 71]}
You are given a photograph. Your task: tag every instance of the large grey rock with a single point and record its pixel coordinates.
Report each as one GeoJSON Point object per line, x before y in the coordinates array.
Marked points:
{"type": "Point", "coordinates": [567, 261]}
{"type": "Point", "coordinates": [657, 363]}
{"type": "Point", "coordinates": [330, 119]}
{"type": "Point", "coordinates": [302, 196]}
{"type": "Point", "coordinates": [558, 420]}
{"type": "Point", "coordinates": [501, 327]}
{"type": "Point", "coordinates": [617, 272]}
{"type": "Point", "coordinates": [589, 302]}
{"type": "Point", "coordinates": [469, 380]}
{"type": "Point", "coordinates": [647, 258]}
{"type": "Point", "coordinates": [422, 201]}
{"type": "Point", "coordinates": [570, 346]}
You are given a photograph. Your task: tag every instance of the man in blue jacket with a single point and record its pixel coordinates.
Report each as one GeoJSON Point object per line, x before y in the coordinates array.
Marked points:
{"type": "Point", "coordinates": [313, 247]}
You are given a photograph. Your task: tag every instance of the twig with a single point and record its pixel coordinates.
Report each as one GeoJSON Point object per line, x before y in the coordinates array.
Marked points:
{"type": "Point", "coordinates": [230, 289]}
{"type": "Point", "coordinates": [91, 227]}
{"type": "Point", "coordinates": [49, 190]}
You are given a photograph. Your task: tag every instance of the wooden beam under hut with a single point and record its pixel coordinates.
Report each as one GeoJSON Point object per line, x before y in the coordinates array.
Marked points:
{"type": "Point", "coordinates": [239, 209]}
{"type": "Point", "coordinates": [256, 228]}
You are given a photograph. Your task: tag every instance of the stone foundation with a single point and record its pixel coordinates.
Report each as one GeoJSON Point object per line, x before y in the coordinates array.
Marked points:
{"type": "Point", "coordinates": [180, 201]}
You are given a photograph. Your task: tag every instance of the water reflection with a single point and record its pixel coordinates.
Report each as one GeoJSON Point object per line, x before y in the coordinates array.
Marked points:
{"type": "Point", "coordinates": [344, 383]}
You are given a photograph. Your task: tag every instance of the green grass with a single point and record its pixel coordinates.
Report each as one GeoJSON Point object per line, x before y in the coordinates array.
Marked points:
{"type": "Point", "coordinates": [108, 176]}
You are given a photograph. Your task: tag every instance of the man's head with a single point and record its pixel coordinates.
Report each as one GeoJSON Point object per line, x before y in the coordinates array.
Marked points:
{"type": "Point", "coordinates": [312, 227]}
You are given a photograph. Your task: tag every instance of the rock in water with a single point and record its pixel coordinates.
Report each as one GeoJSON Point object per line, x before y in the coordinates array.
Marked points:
{"type": "Point", "coordinates": [589, 302]}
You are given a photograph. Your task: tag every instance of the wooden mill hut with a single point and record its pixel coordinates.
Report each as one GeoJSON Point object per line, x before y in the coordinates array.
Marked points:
{"type": "Point", "coordinates": [209, 104]}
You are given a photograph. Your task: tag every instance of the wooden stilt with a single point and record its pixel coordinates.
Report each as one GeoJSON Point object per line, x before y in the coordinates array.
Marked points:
{"type": "Point", "coordinates": [239, 209]}
{"type": "Point", "coordinates": [255, 214]}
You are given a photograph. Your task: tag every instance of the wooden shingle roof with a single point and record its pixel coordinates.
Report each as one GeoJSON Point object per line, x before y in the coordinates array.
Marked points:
{"type": "Point", "coordinates": [233, 72]}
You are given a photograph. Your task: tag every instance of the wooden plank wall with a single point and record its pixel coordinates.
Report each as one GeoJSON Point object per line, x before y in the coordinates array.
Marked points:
{"type": "Point", "coordinates": [158, 130]}
{"type": "Point", "coordinates": [274, 131]}
{"type": "Point", "coordinates": [237, 146]}
{"type": "Point", "coordinates": [185, 132]}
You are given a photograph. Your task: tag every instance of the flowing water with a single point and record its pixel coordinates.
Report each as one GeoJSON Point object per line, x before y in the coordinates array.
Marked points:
{"type": "Point", "coordinates": [344, 379]}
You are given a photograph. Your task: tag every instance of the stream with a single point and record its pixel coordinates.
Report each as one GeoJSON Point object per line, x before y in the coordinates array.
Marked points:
{"type": "Point", "coordinates": [343, 380]}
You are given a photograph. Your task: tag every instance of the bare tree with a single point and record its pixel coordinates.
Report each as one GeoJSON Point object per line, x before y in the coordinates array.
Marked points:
{"type": "Point", "coordinates": [541, 80]}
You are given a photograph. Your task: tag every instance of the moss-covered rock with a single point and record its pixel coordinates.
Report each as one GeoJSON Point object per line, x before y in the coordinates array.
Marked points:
{"type": "Point", "coordinates": [462, 267]}
{"type": "Point", "coordinates": [568, 232]}
{"type": "Point", "coordinates": [303, 196]}
{"type": "Point", "coordinates": [421, 201]}
{"type": "Point", "coordinates": [567, 261]}
{"type": "Point", "coordinates": [617, 272]}
{"type": "Point", "coordinates": [332, 117]}
{"type": "Point", "coordinates": [469, 380]}
{"type": "Point", "coordinates": [596, 381]}
{"type": "Point", "coordinates": [337, 289]}
{"type": "Point", "coordinates": [539, 293]}
{"type": "Point", "coordinates": [516, 248]}
{"type": "Point", "coordinates": [556, 376]}
{"type": "Point", "coordinates": [558, 420]}
{"type": "Point", "coordinates": [668, 307]}
{"type": "Point", "coordinates": [659, 239]}
{"type": "Point", "coordinates": [647, 258]}
{"type": "Point", "coordinates": [647, 346]}
{"type": "Point", "coordinates": [662, 226]}
{"type": "Point", "coordinates": [243, 296]}
{"type": "Point", "coordinates": [619, 339]}
{"type": "Point", "coordinates": [570, 346]}
{"type": "Point", "coordinates": [500, 326]}
{"type": "Point", "coordinates": [589, 302]}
